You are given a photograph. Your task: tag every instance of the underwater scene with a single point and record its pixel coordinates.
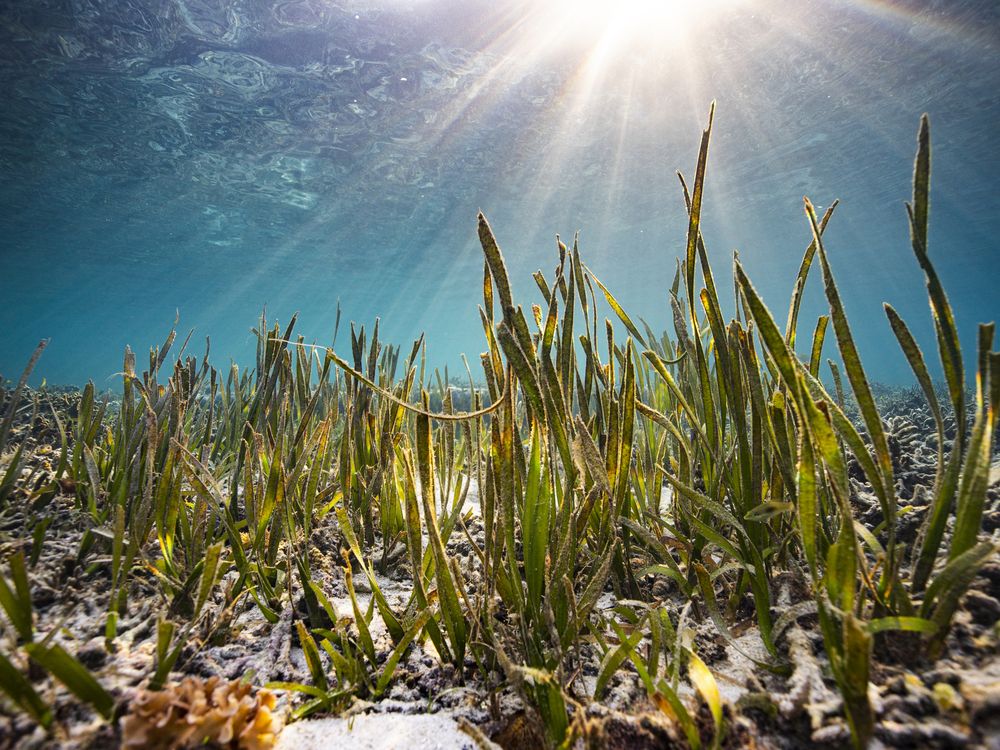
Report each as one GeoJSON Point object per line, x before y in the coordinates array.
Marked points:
{"type": "Point", "coordinates": [512, 373]}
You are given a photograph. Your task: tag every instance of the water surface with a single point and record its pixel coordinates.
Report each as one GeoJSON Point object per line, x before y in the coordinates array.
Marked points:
{"type": "Point", "coordinates": [207, 159]}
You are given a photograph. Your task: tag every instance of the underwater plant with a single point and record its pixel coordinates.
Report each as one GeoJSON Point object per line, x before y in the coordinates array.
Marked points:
{"type": "Point", "coordinates": [685, 477]}
{"type": "Point", "coordinates": [10, 469]}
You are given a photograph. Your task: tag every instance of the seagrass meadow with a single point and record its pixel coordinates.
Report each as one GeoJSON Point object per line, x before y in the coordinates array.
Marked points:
{"type": "Point", "coordinates": [604, 536]}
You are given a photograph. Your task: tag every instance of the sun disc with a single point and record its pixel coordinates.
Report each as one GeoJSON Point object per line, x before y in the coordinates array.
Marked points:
{"type": "Point", "coordinates": [633, 18]}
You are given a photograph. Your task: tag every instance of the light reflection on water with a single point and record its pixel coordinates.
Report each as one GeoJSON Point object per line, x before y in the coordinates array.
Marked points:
{"type": "Point", "coordinates": [212, 160]}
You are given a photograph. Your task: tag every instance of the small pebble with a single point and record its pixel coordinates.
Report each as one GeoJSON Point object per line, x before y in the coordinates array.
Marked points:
{"type": "Point", "coordinates": [924, 734]}
{"type": "Point", "coordinates": [985, 610]}
{"type": "Point", "coordinates": [92, 654]}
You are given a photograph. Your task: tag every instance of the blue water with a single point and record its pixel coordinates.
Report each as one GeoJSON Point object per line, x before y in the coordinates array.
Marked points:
{"type": "Point", "coordinates": [207, 159]}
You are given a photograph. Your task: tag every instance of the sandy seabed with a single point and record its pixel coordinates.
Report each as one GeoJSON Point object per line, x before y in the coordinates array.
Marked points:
{"type": "Point", "coordinates": [953, 702]}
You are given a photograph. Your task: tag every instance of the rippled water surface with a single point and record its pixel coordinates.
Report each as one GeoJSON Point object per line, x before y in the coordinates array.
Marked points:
{"type": "Point", "coordinates": [205, 159]}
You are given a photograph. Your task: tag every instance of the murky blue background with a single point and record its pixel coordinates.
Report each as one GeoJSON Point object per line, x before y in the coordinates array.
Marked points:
{"type": "Point", "coordinates": [210, 158]}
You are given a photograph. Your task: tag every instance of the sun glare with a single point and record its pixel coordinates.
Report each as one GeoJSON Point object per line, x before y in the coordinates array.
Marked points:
{"type": "Point", "coordinates": [632, 20]}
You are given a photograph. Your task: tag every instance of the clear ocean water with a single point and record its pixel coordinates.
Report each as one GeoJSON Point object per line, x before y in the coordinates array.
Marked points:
{"type": "Point", "coordinates": [205, 159]}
